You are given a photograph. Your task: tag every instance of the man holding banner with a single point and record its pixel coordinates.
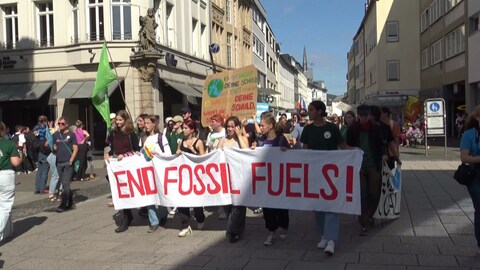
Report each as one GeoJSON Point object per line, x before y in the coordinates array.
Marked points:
{"type": "Point", "coordinates": [323, 135]}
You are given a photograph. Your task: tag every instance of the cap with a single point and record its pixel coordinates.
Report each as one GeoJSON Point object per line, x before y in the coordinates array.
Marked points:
{"type": "Point", "coordinates": [177, 118]}
{"type": "Point", "coordinates": [168, 119]}
{"type": "Point", "coordinates": [112, 116]}
{"type": "Point", "coordinates": [186, 110]}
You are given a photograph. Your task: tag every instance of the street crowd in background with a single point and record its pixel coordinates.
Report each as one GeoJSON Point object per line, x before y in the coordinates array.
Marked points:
{"type": "Point", "coordinates": [66, 152]}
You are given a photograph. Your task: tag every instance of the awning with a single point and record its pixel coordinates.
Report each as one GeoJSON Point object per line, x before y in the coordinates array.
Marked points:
{"type": "Point", "coordinates": [268, 91]}
{"type": "Point", "coordinates": [82, 89]}
{"type": "Point", "coordinates": [23, 91]}
{"type": "Point", "coordinates": [185, 89]}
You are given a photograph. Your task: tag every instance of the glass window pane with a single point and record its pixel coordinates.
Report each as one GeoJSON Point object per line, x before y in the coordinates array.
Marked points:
{"type": "Point", "coordinates": [50, 6]}
{"type": "Point", "coordinates": [127, 20]}
{"type": "Point", "coordinates": [42, 7]}
{"type": "Point", "coordinates": [43, 30]}
{"type": "Point", "coordinates": [93, 23]}
{"type": "Point", "coordinates": [117, 33]}
{"type": "Point", "coordinates": [52, 32]}
{"type": "Point", "coordinates": [100, 21]}
{"type": "Point", "coordinates": [91, 1]}
{"type": "Point", "coordinates": [9, 27]}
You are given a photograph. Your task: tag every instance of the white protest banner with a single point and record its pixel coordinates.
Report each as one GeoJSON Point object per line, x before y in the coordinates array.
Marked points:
{"type": "Point", "coordinates": [189, 180]}
{"type": "Point", "coordinates": [296, 179]}
{"type": "Point", "coordinates": [266, 177]}
{"type": "Point", "coordinates": [132, 182]}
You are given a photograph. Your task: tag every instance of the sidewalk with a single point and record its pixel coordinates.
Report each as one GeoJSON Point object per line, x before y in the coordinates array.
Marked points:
{"type": "Point", "coordinates": [435, 231]}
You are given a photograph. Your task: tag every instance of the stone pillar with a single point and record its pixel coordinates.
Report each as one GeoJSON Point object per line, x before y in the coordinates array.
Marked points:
{"type": "Point", "coordinates": [144, 92]}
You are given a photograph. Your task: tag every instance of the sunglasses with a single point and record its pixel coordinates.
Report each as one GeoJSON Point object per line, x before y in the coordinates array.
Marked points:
{"type": "Point", "coordinates": [61, 124]}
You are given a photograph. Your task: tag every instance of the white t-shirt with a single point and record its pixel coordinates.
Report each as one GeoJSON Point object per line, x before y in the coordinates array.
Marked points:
{"type": "Point", "coordinates": [214, 138]}
{"type": "Point", "coordinates": [21, 139]}
{"type": "Point", "coordinates": [152, 142]}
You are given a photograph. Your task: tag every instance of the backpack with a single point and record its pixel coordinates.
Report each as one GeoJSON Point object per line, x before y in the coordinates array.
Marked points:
{"type": "Point", "coordinates": [159, 141]}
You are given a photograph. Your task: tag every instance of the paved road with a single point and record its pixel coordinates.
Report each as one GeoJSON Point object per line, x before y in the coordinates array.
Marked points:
{"type": "Point", "coordinates": [435, 231]}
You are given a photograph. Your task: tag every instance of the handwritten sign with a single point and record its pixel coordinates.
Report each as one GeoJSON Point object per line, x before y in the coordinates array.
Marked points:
{"type": "Point", "coordinates": [232, 92]}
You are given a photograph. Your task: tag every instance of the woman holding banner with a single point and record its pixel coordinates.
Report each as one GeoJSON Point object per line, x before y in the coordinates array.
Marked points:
{"type": "Point", "coordinates": [274, 218]}
{"type": "Point", "coordinates": [190, 144]}
{"type": "Point", "coordinates": [123, 143]}
{"type": "Point", "coordinates": [323, 135]}
{"type": "Point", "coordinates": [236, 214]}
{"type": "Point", "coordinates": [155, 143]}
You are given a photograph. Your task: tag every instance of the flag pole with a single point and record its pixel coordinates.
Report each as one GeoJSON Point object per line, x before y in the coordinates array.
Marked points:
{"type": "Point", "coordinates": [118, 81]}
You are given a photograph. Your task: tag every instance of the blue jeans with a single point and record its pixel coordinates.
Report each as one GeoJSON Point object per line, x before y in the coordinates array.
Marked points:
{"type": "Point", "coordinates": [328, 225]}
{"type": "Point", "coordinates": [52, 160]}
{"type": "Point", "coordinates": [65, 174]}
{"type": "Point", "coordinates": [474, 190]}
{"type": "Point", "coordinates": [42, 173]}
{"type": "Point", "coordinates": [7, 195]}
{"type": "Point", "coordinates": [156, 212]}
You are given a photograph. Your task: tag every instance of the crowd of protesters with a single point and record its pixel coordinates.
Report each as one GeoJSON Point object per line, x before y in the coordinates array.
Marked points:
{"type": "Point", "coordinates": [372, 131]}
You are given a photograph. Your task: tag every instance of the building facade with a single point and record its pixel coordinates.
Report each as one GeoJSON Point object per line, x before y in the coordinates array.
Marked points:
{"type": "Point", "coordinates": [49, 60]}
{"type": "Point", "coordinates": [286, 82]}
{"type": "Point", "coordinates": [232, 30]}
{"type": "Point", "coordinates": [443, 50]}
{"type": "Point", "coordinates": [472, 95]}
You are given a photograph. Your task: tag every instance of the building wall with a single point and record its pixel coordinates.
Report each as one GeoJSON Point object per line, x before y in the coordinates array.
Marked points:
{"type": "Point", "coordinates": [286, 85]}
{"type": "Point", "coordinates": [75, 57]}
{"type": "Point", "coordinates": [473, 93]}
{"type": "Point", "coordinates": [240, 28]}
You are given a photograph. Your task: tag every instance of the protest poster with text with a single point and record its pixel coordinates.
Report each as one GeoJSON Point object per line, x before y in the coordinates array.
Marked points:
{"type": "Point", "coordinates": [133, 182]}
{"type": "Point", "coordinates": [231, 92]}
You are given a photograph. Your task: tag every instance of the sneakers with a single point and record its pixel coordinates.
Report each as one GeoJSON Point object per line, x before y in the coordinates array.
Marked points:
{"type": "Point", "coordinates": [330, 249]}
{"type": "Point", "coordinates": [233, 238]}
{"type": "Point", "coordinates": [152, 228]}
{"type": "Point", "coordinates": [258, 211]}
{"type": "Point", "coordinates": [200, 225]}
{"type": "Point", "coordinates": [269, 241]}
{"type": "Point", "coordinates": [323, 243]}
{"type": "Point", "coordinates": [283, 233]}
{"type": "Point", "coordinates": [173, 211]}
{"type": "Point", "coordinates": [185, 231]}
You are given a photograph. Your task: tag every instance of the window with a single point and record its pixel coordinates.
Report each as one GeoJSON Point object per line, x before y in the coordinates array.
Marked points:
{"type": "Point", "coordinates": [228, 11]}
{"type": "Point", "coordinates": [235, 12]}
{"type": "Point", "coordinates": [45, 24]}
{"type": "Point", "coordinates": [425, 58]}
{"type": "Point", "coordinates": [170, 25]}
{"type": "Point", "coordinates": [258, 47]}
{"type": "Point", "coordinates": [203, 40]}
{"type": "Point", "coordinates": [195, 37]}
{"type": "Point", "coordinates": [393, 70]}
{"type": "Point", "coordinates": [236, 51]}
{"type": "Point", "coordinates": [435, 11]}
{"type": "Point", "coordinates": [121, 20]}
{"type": "Point", "coordinates": [449, 4]}
{"type": "Point", "coordinates": [74, 37]}
{"type": "Point", "coordinates": [11, 26]}
{"type": "Point", "coordinates": [95, 20]}
{"type": "Point", "coordinates": [392, 31]}
{"type": "Point", "coordinates": [455, 42]}
{"type": "Point", "coordinates": [424, 22]}
{"type": "Point", "coordinates": [474, 24]}
{"type": "Point", "coordinates": [436, 52]}
{"type": "Point", "coordinates": [229, 50]}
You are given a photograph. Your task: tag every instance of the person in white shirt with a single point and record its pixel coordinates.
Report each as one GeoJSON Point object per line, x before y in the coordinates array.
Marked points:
{"type": "Point", "coordinates": [156, 143]}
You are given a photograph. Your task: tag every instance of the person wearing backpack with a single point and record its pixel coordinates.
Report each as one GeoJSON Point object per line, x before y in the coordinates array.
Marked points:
{"type": "Point", "coordinates": [155, 144]}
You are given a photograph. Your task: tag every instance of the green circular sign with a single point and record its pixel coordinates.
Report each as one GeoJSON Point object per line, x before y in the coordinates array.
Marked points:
{"type": "Point", "coordinates": [215, 88]}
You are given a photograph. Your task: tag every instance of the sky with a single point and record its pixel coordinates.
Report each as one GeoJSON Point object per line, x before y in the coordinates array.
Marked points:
{"type": "Point", "coordinates": [325, 27]}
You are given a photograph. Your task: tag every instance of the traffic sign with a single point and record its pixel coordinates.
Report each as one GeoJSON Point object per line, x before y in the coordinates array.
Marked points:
{"type": "Point", "coordinates": [434, 108]}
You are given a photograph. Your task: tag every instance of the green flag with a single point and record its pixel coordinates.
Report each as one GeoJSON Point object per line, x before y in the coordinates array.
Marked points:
{"type": "Point", "coordinates": [105, 76]}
